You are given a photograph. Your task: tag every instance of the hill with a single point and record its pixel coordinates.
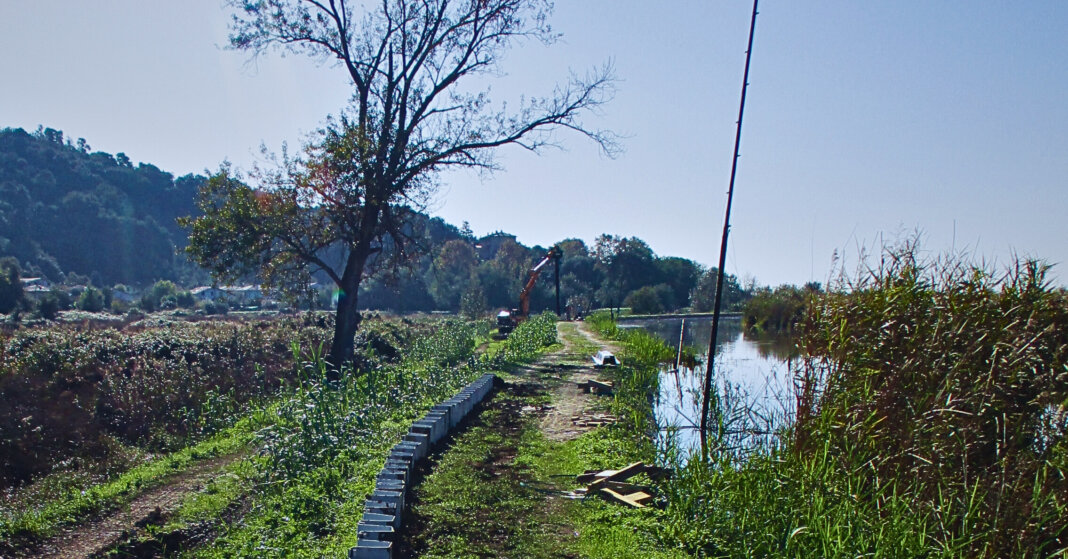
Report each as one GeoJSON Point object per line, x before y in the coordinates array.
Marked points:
{"type": "Point", "coordinates": [67, 210]}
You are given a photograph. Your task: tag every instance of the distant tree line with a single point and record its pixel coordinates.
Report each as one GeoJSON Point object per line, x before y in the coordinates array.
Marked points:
{"type": "Point", "coordinates": [96, 220]}
{"type": "Point", "coordinates": [464, 273]}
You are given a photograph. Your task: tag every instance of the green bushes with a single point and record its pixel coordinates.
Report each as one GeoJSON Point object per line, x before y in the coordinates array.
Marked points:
{"type": "Point", "coordinates": [777, 311]}
{"type": "Point", "coordinates": [530, 337]}
{"type": "Point", "coordinates": [73, 393]}
{"type": "Point", "coordinates": [320, 457]}
{"type": "Point", "coordinates": [323, 417]}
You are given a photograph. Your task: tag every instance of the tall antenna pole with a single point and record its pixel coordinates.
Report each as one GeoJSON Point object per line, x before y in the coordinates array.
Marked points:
{"type": "Point", "coordinates": [723, 250]}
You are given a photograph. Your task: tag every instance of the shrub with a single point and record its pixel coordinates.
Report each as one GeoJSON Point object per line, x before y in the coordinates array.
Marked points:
{"type": "Point", "coordinates": [91, 300]}
{"type": "Point", "coordinates": [644, 300]}
{"type": "Point", "coordinates": [777, 311]}
{"type": "Point", "coordinates": [48, 306]}
{"type": "Point", "coordinates": [185, 300]}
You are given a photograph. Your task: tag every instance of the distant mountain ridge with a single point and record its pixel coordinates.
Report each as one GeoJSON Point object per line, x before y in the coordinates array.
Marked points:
{"type": "Point", "coordinates": [65, 209]}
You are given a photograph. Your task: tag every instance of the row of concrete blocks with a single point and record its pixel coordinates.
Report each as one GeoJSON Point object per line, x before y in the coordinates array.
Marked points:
{"type": "Point", "coordinates": [383, 511]}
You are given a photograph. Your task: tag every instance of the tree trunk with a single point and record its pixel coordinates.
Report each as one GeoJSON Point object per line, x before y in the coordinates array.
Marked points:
{"type": "Point", "coordinates": [346, 324]}
{"type": "Point", "coordinates": [346, 316]}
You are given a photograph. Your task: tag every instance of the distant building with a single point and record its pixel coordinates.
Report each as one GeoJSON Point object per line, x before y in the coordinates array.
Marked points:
{"type": "Point", "coordinates": [207, 293]}
{"type": "Point", "coordinates": [487, 246]}
{"type": "Point", "coordinates": [35, 292]}
{"type": "Point", "coordinates": [239, 294]}
{"type": "Point", "coordinates": [244, 294]}
{"type": "Point", "coordinates": [40, 282]}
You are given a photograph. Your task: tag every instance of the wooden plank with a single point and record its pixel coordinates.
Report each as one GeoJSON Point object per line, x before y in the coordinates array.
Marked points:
{"type": "Point", "coordinates": [592, 475]}
{"type": "Point", "coordinates": [619, 475]}
{"type": "Point", "coordinates": [629, 500]}
{"type": "Point", "coordinates": [599, 387]}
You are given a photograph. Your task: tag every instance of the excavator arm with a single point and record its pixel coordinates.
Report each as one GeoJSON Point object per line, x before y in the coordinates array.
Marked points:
{"type": "Point", "coordinates": [524, 296]}
{"type": "Point", "coordinates": [507, 321]}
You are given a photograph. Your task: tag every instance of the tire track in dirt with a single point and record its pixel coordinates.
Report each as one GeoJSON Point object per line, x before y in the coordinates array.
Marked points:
{"type": "Point", "coordinates": [151, 507]}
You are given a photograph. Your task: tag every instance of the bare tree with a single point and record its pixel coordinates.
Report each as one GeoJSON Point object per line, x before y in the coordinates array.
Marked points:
{"type": "Point", "coordinates": [367, 171]}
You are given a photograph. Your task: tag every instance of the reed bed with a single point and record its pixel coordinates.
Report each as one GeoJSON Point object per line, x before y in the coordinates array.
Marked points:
{"type": "Point", "coordinates": [931, 414]}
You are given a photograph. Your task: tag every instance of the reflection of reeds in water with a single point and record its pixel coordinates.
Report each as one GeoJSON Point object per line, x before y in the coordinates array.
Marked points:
{"type": "Point", "coordinates": [744, 417]}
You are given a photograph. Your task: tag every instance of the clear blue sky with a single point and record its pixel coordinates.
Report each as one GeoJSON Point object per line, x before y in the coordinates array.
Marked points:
{"type": "Point", "coordinates": [865, 120]}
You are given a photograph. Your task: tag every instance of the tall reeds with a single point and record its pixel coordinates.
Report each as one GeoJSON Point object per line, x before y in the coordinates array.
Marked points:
{"type": "Point", "coordinates": [931, 421]}
{"type": "Point", "coordinates": [950, 382]}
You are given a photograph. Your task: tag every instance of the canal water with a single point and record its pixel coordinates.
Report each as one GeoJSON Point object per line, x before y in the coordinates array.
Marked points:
{"type": "Point", "coordinates": [752, 376]}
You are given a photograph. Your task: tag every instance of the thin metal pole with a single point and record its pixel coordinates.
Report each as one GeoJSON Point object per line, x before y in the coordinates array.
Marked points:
{"type": "Point", "coordinates": [678, 359]}
{"type": "Point", "coordinates": [710, 369]}
{"type": "Point", "coordinates": [557, 263]}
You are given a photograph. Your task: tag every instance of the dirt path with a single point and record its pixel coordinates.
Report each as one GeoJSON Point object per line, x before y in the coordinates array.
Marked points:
{"type": "Point", "coordinates": [94, 538]}
{"type": "Point", "coordinates": [574, 365]}
{"type": "Point", "coordinates": [479, 500]}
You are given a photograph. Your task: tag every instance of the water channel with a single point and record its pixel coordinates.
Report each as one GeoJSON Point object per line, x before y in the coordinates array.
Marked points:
{"type": "Point", "coordinates": [753, 374]}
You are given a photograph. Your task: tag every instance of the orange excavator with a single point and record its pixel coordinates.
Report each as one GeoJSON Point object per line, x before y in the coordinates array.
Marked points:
{"type": "Point", "coordinates": [508, 320]}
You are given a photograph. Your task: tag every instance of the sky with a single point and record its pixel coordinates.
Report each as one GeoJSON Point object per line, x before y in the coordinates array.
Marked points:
{"type": "Point", "coordinates": [866, 122]}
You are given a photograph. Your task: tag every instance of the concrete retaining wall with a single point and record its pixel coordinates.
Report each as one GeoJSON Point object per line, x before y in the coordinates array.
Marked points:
{"type": "Point", "coordinates": [384, 509]}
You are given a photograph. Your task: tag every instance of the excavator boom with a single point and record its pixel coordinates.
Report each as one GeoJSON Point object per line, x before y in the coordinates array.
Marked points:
{"type": "Point", "coordinates": [507, 321]}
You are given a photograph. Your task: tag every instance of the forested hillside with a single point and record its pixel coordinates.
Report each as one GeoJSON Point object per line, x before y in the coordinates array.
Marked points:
{"type": "Point", "coordinates": [66, 209]}
{"type": "Point", "coordinates": [77, 216]}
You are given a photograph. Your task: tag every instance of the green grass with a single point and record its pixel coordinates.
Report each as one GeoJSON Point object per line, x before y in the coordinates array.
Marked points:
{"type": "Point", "coordinates": [499, 492]}
{"type": "Point", "coordinates": [330, 439]}
{"type": "Point", "coordinates": [499, 489]}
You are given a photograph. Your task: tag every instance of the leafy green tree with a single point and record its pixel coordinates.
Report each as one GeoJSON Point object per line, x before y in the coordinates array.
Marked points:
{"type": "Point", "coordinates": [627, 264]}
{"type": "Point", "coordinates": [48, 306]}
{"type": "Point", "coordinates": [185, 300]}
{"type": "Point", "coordinates": [703, 295]}
{"type": "Point", "coordinates": [91, 300]}
{"type": "Point", "coordinates": [57, 199]}
{"type": "Point", "coordinates": [63, 300]}
{"type": "Point", "coordinates": [644, 300]}
{"type": "Point", "coordinates": [473, 303]}
{"type": "Point", "coordinates": [413, 115]}
{"type": "Point", "coordinates": [680, 275]}
{"type": "Point", "coordinates": [451, 273]}
{"type": "Point", "coordinates": [153, 299]}
{"type": "Point", "coordinates": [11, 292]}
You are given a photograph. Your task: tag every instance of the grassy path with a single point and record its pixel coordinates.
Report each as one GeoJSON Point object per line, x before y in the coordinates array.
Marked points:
{"type": "Point", "coordinates": [129, 522]}
{"type": "Point", "coordinates": [503, 488]}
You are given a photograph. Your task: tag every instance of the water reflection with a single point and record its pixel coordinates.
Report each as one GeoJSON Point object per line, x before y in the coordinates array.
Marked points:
{"type": "Point", "coordinates": [752, 375]}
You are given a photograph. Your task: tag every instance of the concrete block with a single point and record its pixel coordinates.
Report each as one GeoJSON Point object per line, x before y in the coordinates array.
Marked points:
{"type": "Point", "coordinates": [440, 422]}
{"type": "Point", "coordinates": [447, 411]}
{"type": "Point", "coordinates": [390, 485]}
{"type": "Point", "coordinates": [402, 456]}
{"type": "Point", "coordinates": [374, 531]}
{"type": "Point", "coordinates": [376, 504]}
{"type": "Point", "coordinates": [418, 450]}
{"type": "Point", "coordinates": [419, 438]}
{"type": "Point", "coordinates": [378, 518]}
{"type": "Point", "coordinates": [428, 428]}
{"type": "Point", "coordinates": [371, 549]}
{"type": "Point", "coordinates": [382, 511]}
{"type": "Point", "coordinates": [395, 497]}
{"type": "Point", "coordinates": [406, 467]}
{"type": "Point", "coordinates": [393, 473]}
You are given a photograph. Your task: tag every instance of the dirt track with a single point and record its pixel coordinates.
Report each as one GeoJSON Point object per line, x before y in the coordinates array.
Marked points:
{"type": "Point", "coordinates": [97, 536]}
